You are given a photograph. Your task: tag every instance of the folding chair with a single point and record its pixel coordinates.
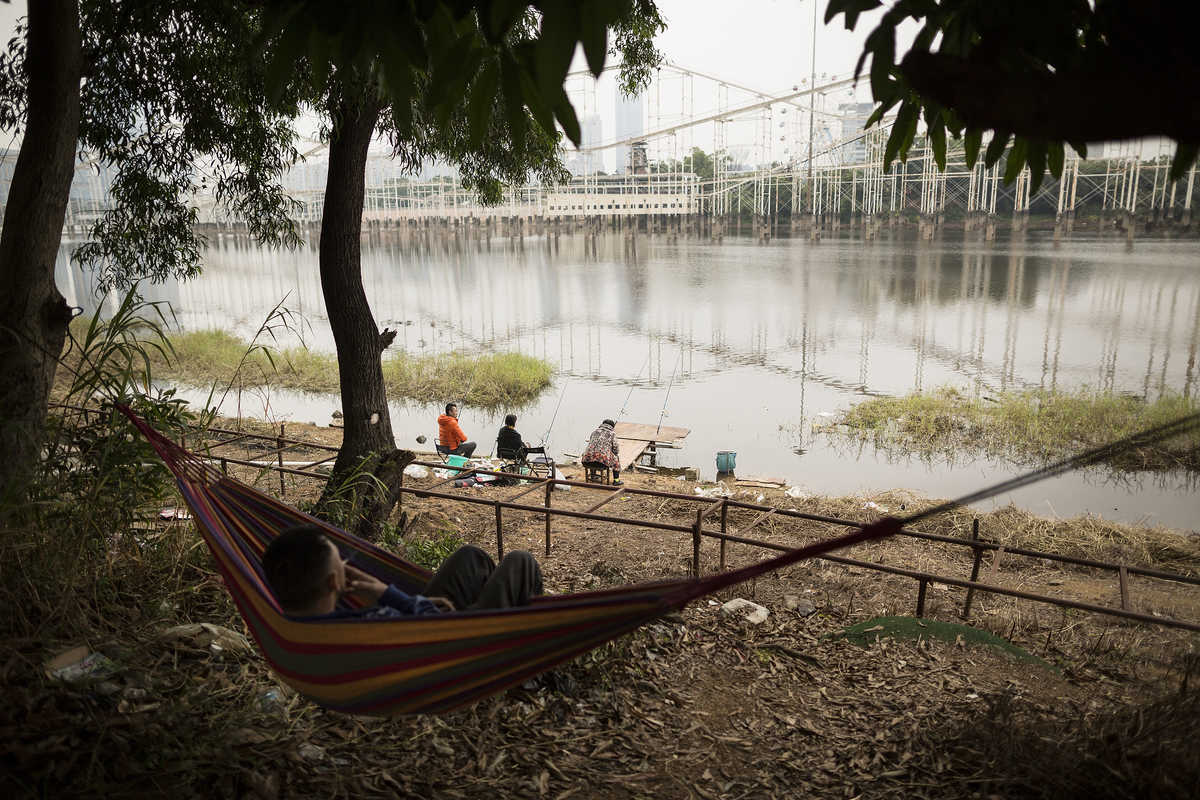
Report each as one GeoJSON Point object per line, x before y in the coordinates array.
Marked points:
{"type": "Point", "coordinates": [519, 462]}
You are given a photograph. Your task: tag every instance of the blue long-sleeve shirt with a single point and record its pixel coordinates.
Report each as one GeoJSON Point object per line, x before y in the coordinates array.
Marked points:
{"type": "Point", "coordinates": [393, 603]}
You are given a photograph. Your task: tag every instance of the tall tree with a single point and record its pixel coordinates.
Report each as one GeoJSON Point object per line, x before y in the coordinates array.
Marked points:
{"type": "Point", "coordinates": [165, 106]}
{"type": "Point", "coordinates": [477, 84]}
{"type": "Point", "coordinates": [33, 315]}
{"type": "Point", "coordinates": [1039, 74]}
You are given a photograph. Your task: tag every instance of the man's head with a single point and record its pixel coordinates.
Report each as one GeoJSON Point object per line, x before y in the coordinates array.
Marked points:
{"type": "Point", "coordinates": [608, 422]}
{"type": "Point", "coordinates": [452, 409]}
{"type": "Point", "coordinates": [304, 570]}
{"type": "Point", "coordinates": [510, 420]}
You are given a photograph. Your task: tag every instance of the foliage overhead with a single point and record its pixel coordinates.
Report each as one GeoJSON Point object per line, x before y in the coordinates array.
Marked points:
{"type": "Point", "coordinates": [1042, 74]}
{"type": "Point", "coordinates": [479, 84]}
{"type": "Point", "coordinates": [167, 108]}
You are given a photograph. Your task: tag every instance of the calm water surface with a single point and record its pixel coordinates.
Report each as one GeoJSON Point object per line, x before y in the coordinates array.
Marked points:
{"type": "Point", "coordinates": [750, 345]}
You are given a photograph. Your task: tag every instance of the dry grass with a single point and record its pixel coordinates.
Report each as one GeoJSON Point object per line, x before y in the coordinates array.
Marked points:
{"type": "Point", "coordinates": [704, 707]}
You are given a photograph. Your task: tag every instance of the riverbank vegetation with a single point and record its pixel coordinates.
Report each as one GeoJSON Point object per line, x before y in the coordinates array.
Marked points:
{"type": "Point", "coordinates": [483, 380]}
{"type": "Point", "coordinates": [1030, 427]}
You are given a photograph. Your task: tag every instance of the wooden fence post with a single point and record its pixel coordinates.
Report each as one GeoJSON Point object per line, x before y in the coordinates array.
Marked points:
{"type": "Point", "coordinates": [724, 530]}
{"type": "Point", "coordinates": [279, 444]}
{"type": "Point", "coordinates": [549, 490]}
{"type": "Point", "coordinates": [499, 533]}
{"type": "Point", "coordinates": [921, 598]}
{"type": "Point", "coordinates": [966, 612]}
{"type": "Point", "coordinates": [696, 544]}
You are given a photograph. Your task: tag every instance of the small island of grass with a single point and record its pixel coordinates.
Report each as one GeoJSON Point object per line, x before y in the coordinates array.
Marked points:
{"type": "Point", "coordinates": [482, 380]}
{"type": "Point", "coordinates": [1027, 427]}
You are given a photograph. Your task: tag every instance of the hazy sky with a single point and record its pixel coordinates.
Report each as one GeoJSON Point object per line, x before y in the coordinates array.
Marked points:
{"type": "Point", "coordinates": [764, 44]}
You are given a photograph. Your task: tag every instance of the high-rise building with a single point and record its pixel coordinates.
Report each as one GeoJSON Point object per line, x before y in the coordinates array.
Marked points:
{"type": "Point", "coordinates": [581, 162]}
{"type": "Point", "coordinates": [854, 119]}
{"type": "Point", "coordinates": [630, 122]}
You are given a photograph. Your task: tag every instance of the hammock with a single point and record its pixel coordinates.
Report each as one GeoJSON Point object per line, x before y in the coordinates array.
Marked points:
{"type": "Point", "coordinates": [420, 664]}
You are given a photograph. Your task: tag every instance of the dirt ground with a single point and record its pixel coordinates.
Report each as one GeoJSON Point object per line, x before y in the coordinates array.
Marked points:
{"type": "Point", "coordinates": [702, 705]}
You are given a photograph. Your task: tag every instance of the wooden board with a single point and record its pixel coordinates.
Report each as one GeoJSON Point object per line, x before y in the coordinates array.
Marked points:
{"type": "Point", "coordinates": [650, 433]}
{"type": "Point", "coordinates": [630, 450]}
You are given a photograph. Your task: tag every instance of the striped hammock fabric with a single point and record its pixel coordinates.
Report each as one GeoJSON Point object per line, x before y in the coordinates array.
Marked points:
{"type": "Point", "coordinates": [421, 664]}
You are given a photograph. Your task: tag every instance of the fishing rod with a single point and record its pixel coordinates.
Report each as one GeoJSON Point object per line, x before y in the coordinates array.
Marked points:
{"type": "Point", "coordinates": [561, 395]}
{"type": "Point", "coordinates": [632, 386]}
{"type": "Point", "coordinates": [678, 361]}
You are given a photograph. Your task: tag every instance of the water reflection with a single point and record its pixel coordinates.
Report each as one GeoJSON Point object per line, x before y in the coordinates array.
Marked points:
{"type": "Point", "coordinates": [755, 342]}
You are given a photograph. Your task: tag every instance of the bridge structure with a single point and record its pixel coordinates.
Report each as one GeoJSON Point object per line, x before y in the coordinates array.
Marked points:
{"type": "Point", "coordinates": [714, 156]}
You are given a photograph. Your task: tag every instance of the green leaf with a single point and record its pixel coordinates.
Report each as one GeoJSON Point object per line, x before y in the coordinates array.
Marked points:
{"type": "Point", "coordinates": [1185, 157]}
{"type": "Point", "coordinates": [554, 49]}
{"type": "Point", "coordinates": [971, 142]}
{"type": "Point", "coordinates": [903, 129]}
{"type": "Point", "coordinates": [1036, 159]}
{"type": "Point", "coordinates": [593, 33]}
{"type": "Point", "coordinates": [565, 113]}
{"type": "Point", "coordinates": [936, 127]}
{"type": "Point", "coordinates": [1055, 156]}
{"type": "Point", "coordinates": [1080, 148]}
{"type": "Point", "coordinates": [1016, 159]}
{"type": "Point", "coordinates": [483, 99]}
{"type": "Point", "coordinates": [995, 148]}
{"type": "Point", "coordinates": [851, 8]}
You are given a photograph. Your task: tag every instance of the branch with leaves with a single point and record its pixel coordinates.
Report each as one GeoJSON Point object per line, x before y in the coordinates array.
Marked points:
{"type": "Point", "coordinates": [1041, 75]}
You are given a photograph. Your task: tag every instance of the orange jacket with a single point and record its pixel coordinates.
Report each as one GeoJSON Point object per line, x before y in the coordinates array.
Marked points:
{"type": "Point", "coordinates": [450, 432]}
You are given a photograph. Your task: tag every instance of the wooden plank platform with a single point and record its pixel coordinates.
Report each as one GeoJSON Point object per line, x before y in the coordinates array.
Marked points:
{"type": "Point", "coordinates": [650, 433]}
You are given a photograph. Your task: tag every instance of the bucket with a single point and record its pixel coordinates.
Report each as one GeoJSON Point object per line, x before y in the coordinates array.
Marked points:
{"type": "Point", "coordinates": [456, 461]}
{"type": "Point", "coordinates": [726, 460]}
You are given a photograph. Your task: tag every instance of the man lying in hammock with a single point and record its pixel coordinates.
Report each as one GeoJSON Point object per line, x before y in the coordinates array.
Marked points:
{"type": "Point", "coordinates": [309, 576]}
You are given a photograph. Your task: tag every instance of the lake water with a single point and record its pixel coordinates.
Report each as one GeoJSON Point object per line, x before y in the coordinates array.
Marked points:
{"type": "Point", "coordinates": [749, 345]}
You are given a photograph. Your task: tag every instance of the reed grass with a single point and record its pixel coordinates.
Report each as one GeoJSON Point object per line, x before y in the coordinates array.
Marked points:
{"type": "Point", "coordinates": [484, 380]}
{"type": "Point", "coordinates": [1032, 427]}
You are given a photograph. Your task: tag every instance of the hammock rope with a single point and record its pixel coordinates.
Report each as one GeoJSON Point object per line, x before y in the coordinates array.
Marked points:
{"type": "Point", "coordinates": [435, 663]}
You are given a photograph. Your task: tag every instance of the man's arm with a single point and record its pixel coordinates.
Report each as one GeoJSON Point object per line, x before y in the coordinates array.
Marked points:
{"type": "Point", "coordinates": [373, 590]}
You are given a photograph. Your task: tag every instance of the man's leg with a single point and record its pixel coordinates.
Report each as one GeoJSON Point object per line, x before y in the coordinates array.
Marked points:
{"type": "Point", "coordinates": [465, 449]}
{"type": "Point", "coordinates": [616, 476]}
{"type": "Point", "coordinates": [462, 576]}
{"type": "Point", "coordinates": [518, 578]}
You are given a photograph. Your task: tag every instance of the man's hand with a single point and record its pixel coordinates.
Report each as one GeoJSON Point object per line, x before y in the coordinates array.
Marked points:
{"type": "Point", "coordinates": [443, 603]}
{"type": "Point", "coordinates": [363, 586]}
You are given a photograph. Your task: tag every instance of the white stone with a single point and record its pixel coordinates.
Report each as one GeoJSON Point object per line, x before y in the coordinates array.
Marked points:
{"type": "Point", "coordinates": [752, 612]}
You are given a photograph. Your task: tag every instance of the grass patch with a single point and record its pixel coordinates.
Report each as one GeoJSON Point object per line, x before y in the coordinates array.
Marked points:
{"type": "Point", "coordinates": [1033, 427]}
{"type": "Point", "coordinates": [489, 380]}
{"type": "Point", "coordinates": [865, 633]}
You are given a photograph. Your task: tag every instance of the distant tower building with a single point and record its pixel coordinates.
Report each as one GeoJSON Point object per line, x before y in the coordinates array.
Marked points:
{"type": "Point", "coordinates": [591, 134]}
{"type": "Point", "coordinates": [854, 120]}
{"type": "Point", "coordinates": [630, 118]}
{"type": "Point", "coordinates": [638, 165]}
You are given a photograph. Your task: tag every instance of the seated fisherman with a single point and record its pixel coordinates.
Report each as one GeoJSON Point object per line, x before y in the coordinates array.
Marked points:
{"type": "Point", "coordinates": [508, 442]}
{"type": "Point", "coordinates": [308, 576]}
{"type": "Point", "coordinates": [602, 450]}
{"type": "Point", "coordinates": [452, 440]}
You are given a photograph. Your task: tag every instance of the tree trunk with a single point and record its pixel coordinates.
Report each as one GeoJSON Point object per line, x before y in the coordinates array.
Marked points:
{"type": "Point", "coordinates": [33, 315]}
{"type": "Point", "coordinates": [362, 504]}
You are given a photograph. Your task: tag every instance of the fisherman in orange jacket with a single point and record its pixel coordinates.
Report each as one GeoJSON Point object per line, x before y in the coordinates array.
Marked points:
{"type": "Point", "coordinates": [451, 439]}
